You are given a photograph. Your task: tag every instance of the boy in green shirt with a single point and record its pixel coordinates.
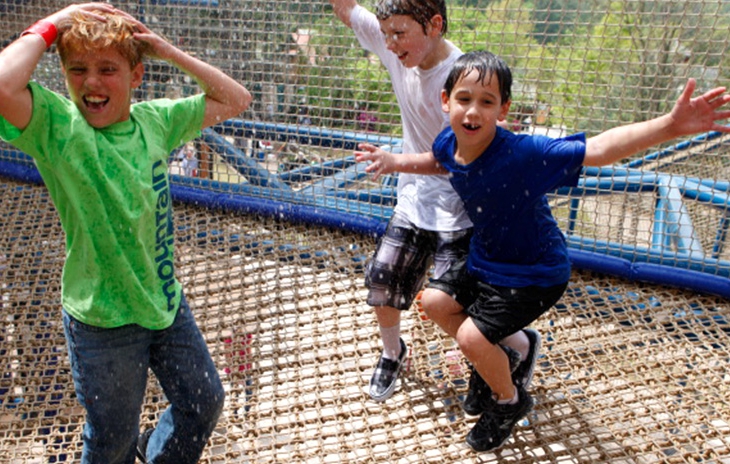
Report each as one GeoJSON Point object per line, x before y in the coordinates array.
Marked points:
{"type": "Point", "coordinates": [104, 162]}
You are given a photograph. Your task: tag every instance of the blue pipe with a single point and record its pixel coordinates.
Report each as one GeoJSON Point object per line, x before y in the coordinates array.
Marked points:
{"type": "Point", "coordinates": [335, 209]}
{"type": "Point", "coordinates": [651, 273]}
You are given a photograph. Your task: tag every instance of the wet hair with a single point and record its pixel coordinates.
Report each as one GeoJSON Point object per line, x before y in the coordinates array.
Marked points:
{"type": "Point", "coordinates": [84, 34]}
{"type": "Point", "coordinates": [487, 65]}
{"type": "Point", "coordinates": [422, 11]}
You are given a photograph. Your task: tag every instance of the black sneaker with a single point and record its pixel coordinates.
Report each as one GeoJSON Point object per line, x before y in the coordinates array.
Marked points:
{"type": "Point", "coordinates": [142, 441]}
{"type": "Point", "coordinates": [526, 369]}
{"type": "Point", "coordinates": [384, 379]}
{"type": "Point", "coordinates": [479, 393]}
{"type": "Point", "coordinates": [495, 425]}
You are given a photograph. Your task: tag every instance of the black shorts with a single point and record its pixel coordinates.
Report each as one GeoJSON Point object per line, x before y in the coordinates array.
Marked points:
{"type": "Point", "coordinates": [497, 311]}
{"type": "Point", "coordinates": [397, 270]}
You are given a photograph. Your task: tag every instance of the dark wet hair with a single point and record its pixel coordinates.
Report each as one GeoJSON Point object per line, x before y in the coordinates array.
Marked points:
{"type": "Point", "coordinates": [487, 65]}
{"type": "Point", "coordinates": [420, 10]}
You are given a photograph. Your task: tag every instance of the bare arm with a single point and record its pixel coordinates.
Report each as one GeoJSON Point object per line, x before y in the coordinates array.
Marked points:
{"type": "Point", "coordinates": [225, 98]}
{"type": "Point", "coordinates": [343, 10]}
{"type": "Point", "coordinates": [18, 61]}
{"type": "Point", "coordinates": [689, 116]}
{"type": "Point", "coordinates": [383, 162]}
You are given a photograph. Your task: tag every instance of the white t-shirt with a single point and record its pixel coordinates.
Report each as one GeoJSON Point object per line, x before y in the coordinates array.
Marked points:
{"type": "Point", "coordinates": [429, 202]}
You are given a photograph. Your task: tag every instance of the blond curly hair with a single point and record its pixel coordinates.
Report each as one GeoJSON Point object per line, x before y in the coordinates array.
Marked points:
{"type": "Point", "coordinates": [84, 34]}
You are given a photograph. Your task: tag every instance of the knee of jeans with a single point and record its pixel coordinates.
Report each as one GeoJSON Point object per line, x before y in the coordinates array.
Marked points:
{"type": "Point", "coordinates": [215, 400]}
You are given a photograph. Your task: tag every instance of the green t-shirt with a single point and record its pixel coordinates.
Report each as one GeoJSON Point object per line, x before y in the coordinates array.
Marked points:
{"type": "Point", "coordinates": [111, 189]}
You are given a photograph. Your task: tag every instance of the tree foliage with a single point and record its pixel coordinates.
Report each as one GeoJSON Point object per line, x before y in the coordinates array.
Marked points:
{"type": "Point", "coordinates": [594, 64]}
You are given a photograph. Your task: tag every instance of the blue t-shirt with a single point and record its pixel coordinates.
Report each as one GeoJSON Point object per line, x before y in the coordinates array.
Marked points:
{"type": "Point", "coordinates": [516, 241]}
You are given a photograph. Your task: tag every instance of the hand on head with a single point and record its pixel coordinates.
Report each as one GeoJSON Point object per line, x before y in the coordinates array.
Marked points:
{"type": "Point", "coordinates": [93, 10]}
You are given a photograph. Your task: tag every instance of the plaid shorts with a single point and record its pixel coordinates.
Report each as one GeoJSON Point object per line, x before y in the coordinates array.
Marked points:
{"type": "Point", "coordinates": [398, 269]}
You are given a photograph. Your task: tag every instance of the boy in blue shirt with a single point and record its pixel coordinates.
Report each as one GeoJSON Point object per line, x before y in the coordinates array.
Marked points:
{"type": "Point", "coordinates": [518, 265]}
{"type": "Point", "coordinates": [104, 162]}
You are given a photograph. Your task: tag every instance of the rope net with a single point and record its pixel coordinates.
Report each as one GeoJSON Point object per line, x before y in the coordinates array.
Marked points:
{"type": "Point", "coordinates": [578, 66]}
{"type": "Point", "coordinates": [630, 372]}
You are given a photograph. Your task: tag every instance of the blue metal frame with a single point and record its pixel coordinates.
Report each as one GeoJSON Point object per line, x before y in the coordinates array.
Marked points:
{"type": "Point", "coordinates": [675, 256]}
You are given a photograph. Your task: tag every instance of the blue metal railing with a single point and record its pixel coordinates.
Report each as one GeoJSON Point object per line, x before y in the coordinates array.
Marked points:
{"type": "Point", "coordinates": [674, 257]}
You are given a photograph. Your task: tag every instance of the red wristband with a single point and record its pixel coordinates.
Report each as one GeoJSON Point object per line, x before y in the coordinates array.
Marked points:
{"type": "Point", "coordinates": [46, 29]}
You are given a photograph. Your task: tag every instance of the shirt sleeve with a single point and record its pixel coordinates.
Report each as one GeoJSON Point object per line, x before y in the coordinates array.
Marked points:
{"type": "Point", "coordinates": [366, 27]}
{"type": "Point", "coordinates": [8, 132]}
{"type": "Point", "coordinates": [442, 148]}
{"type": "Point", "coordinates": [563, 160]}
{"type": "Point", "coordinates": [181, 119]}
{"type": "Point", "coordinates": [48, 127]}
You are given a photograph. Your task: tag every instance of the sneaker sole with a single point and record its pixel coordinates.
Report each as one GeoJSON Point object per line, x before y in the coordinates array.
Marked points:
{"type": "Point", "coordinates": [472, 412]}
{"type": "Point", "coordinates": [472, 408]}
{"type": "Point", "coordinates": [500, 444]}
{"type": "Point", "coordinates": [389, 392]}
{"type": "Point", "coordinates": [535, 343]}
{"type": "Point", "coordinates": [141, 447]}
{"type": "Point", "coordinates": [495, 447]}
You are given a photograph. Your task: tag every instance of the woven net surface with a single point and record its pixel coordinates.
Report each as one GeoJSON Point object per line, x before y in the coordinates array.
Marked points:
{"type": "Point", "coordinates": [629, 373]}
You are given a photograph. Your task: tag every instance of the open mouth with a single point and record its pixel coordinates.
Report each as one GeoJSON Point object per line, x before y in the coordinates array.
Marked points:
{"type": "Point", "coordinates": [471, 127]}
{"type": "Point", "coordinates": [95, 103]}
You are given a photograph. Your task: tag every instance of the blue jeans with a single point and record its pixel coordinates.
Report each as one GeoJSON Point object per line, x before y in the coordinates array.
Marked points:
{"type": "Point", "coordinates": [109, 369]}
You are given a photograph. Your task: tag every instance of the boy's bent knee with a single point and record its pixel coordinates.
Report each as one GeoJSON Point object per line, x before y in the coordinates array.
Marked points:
{"type": "Point", "coordinates": [213, 407]}
{"type": "Point", "coordinates": [207, 403]}
{"type": "Point", "coordinates": [438, 302]}
{"type": "Point", "coordinates": [470, 338]}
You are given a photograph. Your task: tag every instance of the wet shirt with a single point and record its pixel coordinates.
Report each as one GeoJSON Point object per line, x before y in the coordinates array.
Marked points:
{"type": "Point", "coordinates": [111, 189]}
{"type": "Point", "coordinates": [516, 241]}
{"type": "Point", "coordinates": [429, 202]}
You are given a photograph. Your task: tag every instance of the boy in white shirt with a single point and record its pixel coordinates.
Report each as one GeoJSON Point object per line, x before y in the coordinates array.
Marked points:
{"type": "Point", "coordinates": [429, 224]}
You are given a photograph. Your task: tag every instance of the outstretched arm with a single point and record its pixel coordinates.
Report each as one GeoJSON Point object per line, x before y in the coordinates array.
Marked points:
{"type": "Point", "coordinates": [343, 10]}
{"type": "Point", "coordinates": [19, 59]}
{"type": "Point", "coordinates": [383, 162]}
{"type": "Point", "coordinates": [225, 98]}
{"type": "Point", "coordinates": [689, 116]}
